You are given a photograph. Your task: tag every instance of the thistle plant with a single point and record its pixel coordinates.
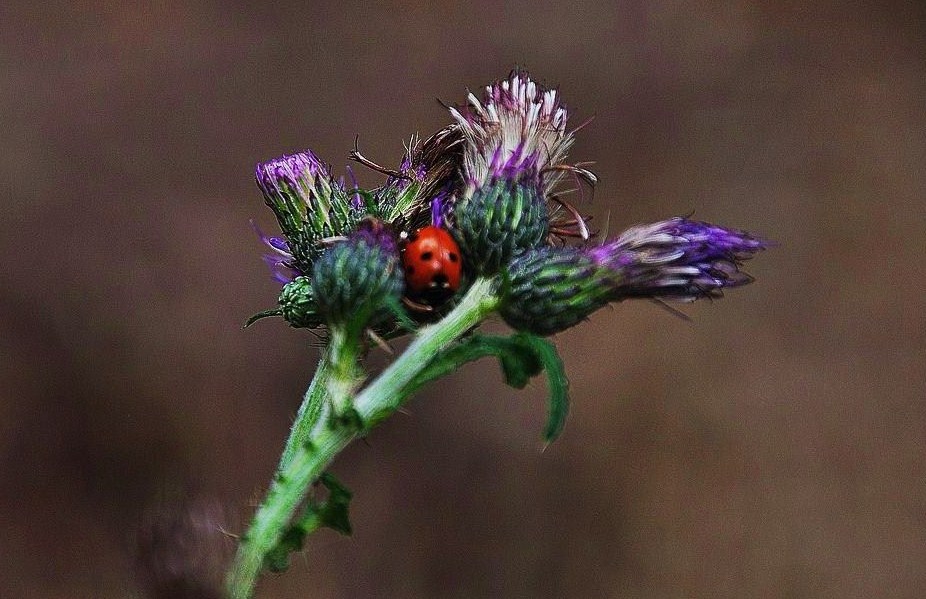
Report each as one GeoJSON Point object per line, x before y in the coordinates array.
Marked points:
{"type": "Point", "coordinates": [491, 179]}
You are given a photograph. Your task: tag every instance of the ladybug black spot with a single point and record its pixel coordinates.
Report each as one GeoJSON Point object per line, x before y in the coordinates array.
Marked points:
{"type": "Point", "coordinates": [426, 256]}
{"type": "Point", "coordinates": [410, 269]}
{"type": "Point", "coordinates": [453, 257]}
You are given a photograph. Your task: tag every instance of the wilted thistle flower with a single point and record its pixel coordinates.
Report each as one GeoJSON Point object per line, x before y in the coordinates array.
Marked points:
{"type": "Point", "coordinates": [551, 289]}
{"type": "Point", "coordinates": [430, 168]}
{"type": "Point", "coordinates": [310, 206]}
{"type": "Point", "coordinates": [516, 141]}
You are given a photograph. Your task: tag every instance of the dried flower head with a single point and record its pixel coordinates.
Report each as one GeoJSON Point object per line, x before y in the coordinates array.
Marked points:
{"type": "Point", "coordinates": [429, 169]}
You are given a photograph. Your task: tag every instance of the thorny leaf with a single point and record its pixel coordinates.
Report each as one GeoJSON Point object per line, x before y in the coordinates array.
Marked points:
{"type": "Point", "coordinates": [332, 513]}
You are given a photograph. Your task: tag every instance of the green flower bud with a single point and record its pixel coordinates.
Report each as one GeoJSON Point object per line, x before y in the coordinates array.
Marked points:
{"type": "Point", "coordinates": [499, 221]}
{"type": "Point", "coordinates": [551, 289]}
{"type": "Point", "coordinates": [354, 281]}
{"type": "Point", "coordinates": [298, 305]}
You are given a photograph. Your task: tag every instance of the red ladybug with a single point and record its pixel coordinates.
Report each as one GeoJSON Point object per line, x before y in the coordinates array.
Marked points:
{"type": "Point", "coordinates": [431, 259]}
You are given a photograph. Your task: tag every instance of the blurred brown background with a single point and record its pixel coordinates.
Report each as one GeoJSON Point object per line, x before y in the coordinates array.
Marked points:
{"type": "Point", "coordinates": [772, 447]}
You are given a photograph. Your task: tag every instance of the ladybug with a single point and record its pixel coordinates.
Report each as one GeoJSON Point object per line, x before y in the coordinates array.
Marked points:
{"type": "Point", "coordinates": [432, 264]}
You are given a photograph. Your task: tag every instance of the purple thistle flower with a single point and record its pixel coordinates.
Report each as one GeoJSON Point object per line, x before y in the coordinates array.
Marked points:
{"type": "Point", "coordinates": [517, 131]}
{"type": "Point", "coordinates": [280, 260]}
{"type": "Point", "coordinates": [677, 259]}
{"type": "Point", "coordinates": [310, 206]}
{"type": "Point", "coordinates": [517, 136]}
{"type": "Point", "coordinates": [553, 288]}
{"type": "Point", "coordinates": [294, 183]}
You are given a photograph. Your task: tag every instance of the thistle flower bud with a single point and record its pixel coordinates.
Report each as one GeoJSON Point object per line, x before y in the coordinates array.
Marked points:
{"type": "Point", "coordinates": [298, 305]}
{"type": "Point", "coordinates": [308, 203]}
{"type": "Point", "coordinates": [499, 221]}
{"type": "Point", "coordinates": [552, 289]}
{"type": "Point", "coordinates": [354, 281]}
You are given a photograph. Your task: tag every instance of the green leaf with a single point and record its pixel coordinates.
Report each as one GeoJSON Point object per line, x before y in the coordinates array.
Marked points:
{"type": "Point", "coordinates": [522, 356]}
{"type": "Point", "coordinates": [277, 559]}
{"type": "Point", "coordinates": [335, 511]}
{"type": "Point", "coordinates": [557, 383]}
{"type": "Point", "coordinates": [332, 513]}
{"type": "Point", "coordinates": [519, 363]}
{"type": "Point", "coordinates": [264, 314]}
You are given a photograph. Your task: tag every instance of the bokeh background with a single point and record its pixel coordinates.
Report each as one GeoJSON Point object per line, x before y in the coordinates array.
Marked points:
{"type": "Point", "coordinates": [771, 447]}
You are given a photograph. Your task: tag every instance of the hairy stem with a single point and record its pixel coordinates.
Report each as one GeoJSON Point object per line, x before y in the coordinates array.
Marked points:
{"type": "Point", "coordinates": [309, 412]}
{"type": "Point", "coordinates": [343, 355]}
{"type": "Point", "coordinates": [310, 449]}
{"type": "Point", "coordinates": [274, 515]}
{"type": "Point", "coordinates": [386, 394]}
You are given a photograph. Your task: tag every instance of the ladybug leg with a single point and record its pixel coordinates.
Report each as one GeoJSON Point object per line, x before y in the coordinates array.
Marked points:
{"type": "Point", "coordinates": [415, 306]}
{"type": "Point", "coordinates": [383, 345]}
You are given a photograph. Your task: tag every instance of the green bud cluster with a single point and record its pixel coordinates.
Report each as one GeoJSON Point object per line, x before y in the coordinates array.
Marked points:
{"type": "Point", "coordinates": [499, 221]}
{"type": "Point", "coordinates": [298, 305]}
{"type": "Point", "coordinates": [550, 289]}
{"type": "Point", "coordinates": [355, 281]}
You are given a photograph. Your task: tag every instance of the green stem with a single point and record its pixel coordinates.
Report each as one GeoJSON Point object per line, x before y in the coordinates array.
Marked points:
{"type": "Point", "coordinates": [308, 458]}
{"type": "Point", "coordinates": [387, 393]}
{"type": "Point", "coordinates": [274, 515]}
{"type": "Point", "coordinates": [343, 356]}
{"type": "Point", "coordinates": [335, 376]}
{"type": "Point", "coordinates": [309, 412]}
